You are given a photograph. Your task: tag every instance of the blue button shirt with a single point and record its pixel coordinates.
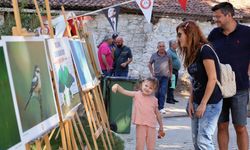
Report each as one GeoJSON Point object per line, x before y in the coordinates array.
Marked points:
{"type": "Point", "coordinates": [176, 64]}
{"type": "Point", "coordinates": [234, 49]}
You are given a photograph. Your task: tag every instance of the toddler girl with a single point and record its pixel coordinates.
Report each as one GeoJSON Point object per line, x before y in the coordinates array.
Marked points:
{"type": "Point", "coordinates": [145, 113]}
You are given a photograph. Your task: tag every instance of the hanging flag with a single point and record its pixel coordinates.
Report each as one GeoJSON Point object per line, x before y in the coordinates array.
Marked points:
{"type": "Point", "coordinates": [183, 4]}
{"type": "Point", "coordinates": [112, 16]}
{"type": "Point", "coordinates": [146, 6]}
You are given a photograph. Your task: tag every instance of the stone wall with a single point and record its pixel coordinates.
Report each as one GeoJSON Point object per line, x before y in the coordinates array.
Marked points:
{"type": "Point", "coordinates": [141, 36]}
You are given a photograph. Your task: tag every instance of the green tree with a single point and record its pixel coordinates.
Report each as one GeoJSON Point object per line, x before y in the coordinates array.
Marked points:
{"type": "Point", "coordinates": [30, 21]}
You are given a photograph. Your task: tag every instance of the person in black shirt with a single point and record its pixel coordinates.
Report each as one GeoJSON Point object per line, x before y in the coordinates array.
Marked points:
{"type": "Point", "coordinates": [122, 58]}
{"type": "Point", "coordinates": [231, 42]}
{"type": "Point", "coordinates": [205, 102]}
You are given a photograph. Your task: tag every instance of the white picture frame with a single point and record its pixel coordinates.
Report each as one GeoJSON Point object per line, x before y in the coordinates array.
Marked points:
{"type": "Point", "coordinates": [15, 55]}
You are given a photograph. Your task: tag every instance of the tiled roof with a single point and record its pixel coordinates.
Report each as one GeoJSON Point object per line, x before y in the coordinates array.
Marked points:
{"type": "Point", "coordinates": [166, 7]}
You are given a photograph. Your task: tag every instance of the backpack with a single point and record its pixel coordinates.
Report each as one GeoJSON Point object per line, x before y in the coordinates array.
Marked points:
{"type": "Point", "coordinates": [227, 84]}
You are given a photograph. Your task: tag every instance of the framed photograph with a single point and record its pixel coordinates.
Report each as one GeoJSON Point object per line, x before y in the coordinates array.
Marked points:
{"type": "Point", "coordinates": [31, 86]}
{"type": "Point", "coordinates": [89, 62]}
{"type": "Point", "coordinates": [93, 51]}
{"type": "Point", "coordinates": [10, 137]}
{"type": "Point", "coordinates": [82, 67]}
{"type": "Point", "coordinates": [64, 73]}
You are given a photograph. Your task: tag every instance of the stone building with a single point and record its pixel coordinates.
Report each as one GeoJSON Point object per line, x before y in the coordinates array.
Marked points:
{"type": "Point", "coordinates": [142, 37]}
{"type": "Point", "coordinates": [139, 35]}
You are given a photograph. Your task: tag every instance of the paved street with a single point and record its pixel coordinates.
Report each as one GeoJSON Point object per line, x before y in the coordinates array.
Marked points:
{"type": "Point", "coordinates": [178, 130]}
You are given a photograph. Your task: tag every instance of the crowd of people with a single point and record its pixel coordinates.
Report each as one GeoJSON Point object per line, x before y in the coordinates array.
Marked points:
{"type": "Point", "coordinates": [206, 107]}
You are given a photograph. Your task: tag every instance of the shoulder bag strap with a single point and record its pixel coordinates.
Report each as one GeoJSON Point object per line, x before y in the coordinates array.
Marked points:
{"type": "Point", "coordinates": [212, 50]}
{"type": "Point", "coordinates": [218, 82]}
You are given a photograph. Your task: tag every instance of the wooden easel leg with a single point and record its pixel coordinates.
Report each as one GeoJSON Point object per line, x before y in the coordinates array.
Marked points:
{"type": "Point", "coordinates": [77, 133]}
{"type": "Point", "coordinates": [63, 136]}
{"type": "Point", "coordinates": [71, 131]}
{"type": "Point", "coordinates": [91, 104]}
{"type": "Point", "coordinates": [89, 116]}
{"type": "Point", "coordinates": [66, 123]}
{"type": "Point", "coordinates": [27, 146]}
{"type": "Point", "coordinates": [98, 90]}
{"type": "Point", "coordinates": [52, 133]}
{"type": "Point", "coordinates": [78, 121]}
{"type": "Point", "coordinates": [47, 143]}
{"type": "Point", "coordinates": [102, 115]}
{"type": "Point", "coordinates": [38, 145]}
{"type": "Point", "coordinates": [94, 118]}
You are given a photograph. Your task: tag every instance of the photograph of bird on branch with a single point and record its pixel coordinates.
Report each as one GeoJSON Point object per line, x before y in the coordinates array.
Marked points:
{"type": "Point", "coordinates": [28, 70]}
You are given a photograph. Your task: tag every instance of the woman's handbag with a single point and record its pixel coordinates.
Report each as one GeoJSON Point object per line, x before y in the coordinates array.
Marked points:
{"type": "Point", "coordinates": [227, 76]}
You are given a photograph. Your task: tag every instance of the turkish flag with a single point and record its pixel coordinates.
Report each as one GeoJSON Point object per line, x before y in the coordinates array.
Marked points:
{"type": "Point", "coordinates": [183, 4]}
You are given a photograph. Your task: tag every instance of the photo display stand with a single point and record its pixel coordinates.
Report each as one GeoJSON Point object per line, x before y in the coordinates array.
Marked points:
{"type": "Point", "coordinates": [68, 127]}
{"type": "Point", "coordinates": [98, 97]}
{"type": "Point", "coordinates": [95, 110]}
{"type": "Point", "coordinates": [95, 117]}
{"type": "Point", "coordinates": [71, 128]}
{"type": "Point", "coordinates": [19, 31]}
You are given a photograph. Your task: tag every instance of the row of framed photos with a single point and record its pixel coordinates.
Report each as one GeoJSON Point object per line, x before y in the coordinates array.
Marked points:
{"type": "Point", "coordinates": [27, 104]}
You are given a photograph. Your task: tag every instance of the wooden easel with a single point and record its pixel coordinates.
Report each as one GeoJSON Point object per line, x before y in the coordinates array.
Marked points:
{"type": "Point", "coordinates": [94, 110]}
{"type": "Point", "coordinates": [19, 31]}
{"type": "Point", "coordinates": [99, 98]}
{"type": "Point", "coordinates": [97, 90]}
{"type": "Point", "coordinates": [70, 125]}
{"type": "Point", "coordinates": [102, 113]}
{"type": "Point", "coordinates": [94, 123]}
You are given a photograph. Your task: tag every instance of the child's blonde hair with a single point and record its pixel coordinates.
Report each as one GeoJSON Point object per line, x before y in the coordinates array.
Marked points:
{"type": "Point", "coordinates": [153, 80]}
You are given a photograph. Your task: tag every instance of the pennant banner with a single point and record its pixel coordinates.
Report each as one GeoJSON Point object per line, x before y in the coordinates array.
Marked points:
{"type": "Point", "coordinates": [146, 6]}
{"type": "Point", "coordinates": [183, 4]}
{"type": "Point", "coordinates": [112, 15]}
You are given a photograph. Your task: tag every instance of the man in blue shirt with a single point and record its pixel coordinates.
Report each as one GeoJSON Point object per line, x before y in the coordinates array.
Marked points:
{"type": "Point", "coordinates": [176, 65]}
{"type": "Point", "coordinates": [232, 45]}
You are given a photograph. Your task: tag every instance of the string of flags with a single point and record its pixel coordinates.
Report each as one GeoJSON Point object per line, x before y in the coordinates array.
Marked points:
{"type": "Point", "coordinates": [146, 6]}
{"type": "Point", "coordinates": [183, 4]}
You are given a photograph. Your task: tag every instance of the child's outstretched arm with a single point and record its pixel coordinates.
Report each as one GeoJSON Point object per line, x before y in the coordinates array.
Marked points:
{"type": "Point", "coordinates": [117, 87]}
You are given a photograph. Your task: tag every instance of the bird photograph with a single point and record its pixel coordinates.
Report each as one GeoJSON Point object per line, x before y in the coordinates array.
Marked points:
{"type": "Point", "coordinates": [35, 89]}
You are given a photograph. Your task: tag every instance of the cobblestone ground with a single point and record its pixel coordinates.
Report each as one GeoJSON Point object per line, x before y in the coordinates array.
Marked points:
{"type": "Point", "coordinates": [178, 131]}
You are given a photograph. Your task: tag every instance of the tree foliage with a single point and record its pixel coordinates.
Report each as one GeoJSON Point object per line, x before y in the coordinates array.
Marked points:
{"type": "Point", "coordinates": [29, 21]}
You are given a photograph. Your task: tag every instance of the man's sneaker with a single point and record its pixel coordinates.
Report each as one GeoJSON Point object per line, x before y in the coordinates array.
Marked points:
{"type": "Point", "coordinates": [162, 111]}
